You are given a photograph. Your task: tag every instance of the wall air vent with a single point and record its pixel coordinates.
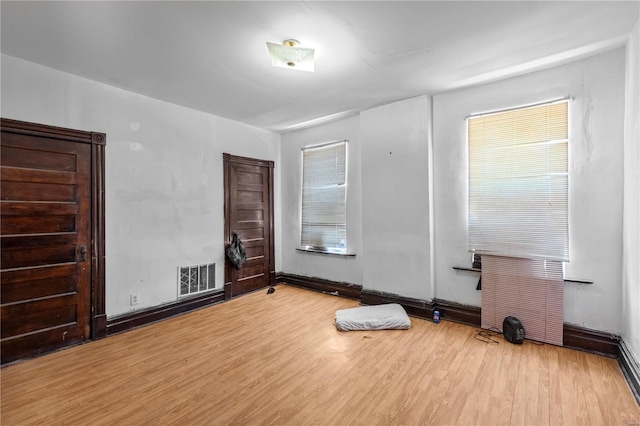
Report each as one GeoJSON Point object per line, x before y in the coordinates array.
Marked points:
{"type": "Point", "coordinates": [196, 279]}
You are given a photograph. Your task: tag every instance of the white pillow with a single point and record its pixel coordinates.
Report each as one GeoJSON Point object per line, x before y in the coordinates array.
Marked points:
{"type": "Point", "coordinates": [376, 317]}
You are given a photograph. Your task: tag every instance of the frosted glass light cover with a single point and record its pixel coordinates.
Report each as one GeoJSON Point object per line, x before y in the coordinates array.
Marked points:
{"type": "Point", "coordinates": [295, 58]}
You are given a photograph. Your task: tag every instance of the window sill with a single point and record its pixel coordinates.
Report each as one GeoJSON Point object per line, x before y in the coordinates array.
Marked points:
{"type": "Point", "coordinates": [330, 253]}
{"type": "Point", "coordinates": [566, 280]}
{"type": "Point", "coordinates": [462, 268]}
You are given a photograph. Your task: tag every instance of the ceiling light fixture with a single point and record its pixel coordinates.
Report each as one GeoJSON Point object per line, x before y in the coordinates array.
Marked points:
{"type": "Point", "coordinates": [290, 55]}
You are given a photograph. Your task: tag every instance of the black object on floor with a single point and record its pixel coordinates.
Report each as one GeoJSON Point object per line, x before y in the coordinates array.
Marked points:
{"type": "Point", "coordinates": [513, 330]}
{"type": "Point", "coordinates": [271, 290]}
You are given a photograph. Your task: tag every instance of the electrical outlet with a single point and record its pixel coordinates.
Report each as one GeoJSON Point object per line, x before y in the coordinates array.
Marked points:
{"type": "Point", "coordinates": [133, 299]}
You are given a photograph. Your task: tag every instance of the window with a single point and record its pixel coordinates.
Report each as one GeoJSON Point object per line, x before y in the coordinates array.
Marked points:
{"type": "Point", "coordinates": [324, 198]}
{"type": "Point", "coordinates": [518, 182]}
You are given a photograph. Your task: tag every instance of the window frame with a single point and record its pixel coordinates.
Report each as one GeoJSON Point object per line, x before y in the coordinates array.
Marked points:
{"type": "Point", "coordinates": [521, 245]}
{"type": "Point", "coordinates": [331, 250]}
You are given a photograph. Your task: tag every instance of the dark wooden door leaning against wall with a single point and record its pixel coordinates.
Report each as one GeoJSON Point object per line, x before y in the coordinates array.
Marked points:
{"type": "Point", "coordinates": [248, 211]}
{"type": "Point", "coordinates": [51, 239]}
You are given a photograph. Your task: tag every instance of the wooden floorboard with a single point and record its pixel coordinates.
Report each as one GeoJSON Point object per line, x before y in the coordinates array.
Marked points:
{"type": "Point", "coordinates": [278, 359]}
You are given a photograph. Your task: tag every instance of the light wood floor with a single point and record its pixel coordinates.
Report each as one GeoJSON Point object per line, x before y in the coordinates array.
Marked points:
{"type": "Point", "coordinates": [278, 359]}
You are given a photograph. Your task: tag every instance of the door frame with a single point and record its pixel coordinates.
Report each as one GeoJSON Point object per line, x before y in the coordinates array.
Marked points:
{"type": "Point", "coordinates": [98, 317]}
{"type": "Point", "coordinates": [228, 232]}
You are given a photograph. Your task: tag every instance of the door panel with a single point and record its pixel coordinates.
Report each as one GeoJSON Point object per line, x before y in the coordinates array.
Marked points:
{"type": "Point", "coordinates": [249, 213]}
{"type": "Point", "coordinates": [38, 315]}
{"type": "Point", "coordinates": [32, 344]}
{"type": "Point", "coordinates": [45, 244]}
{"type": "Point", "coordinates": [38, 224]}
{"type": "Point", "coordinates": [21, 258]}
{"type": "Point", "coordinates": [44, 160]}
{"type": "Point", "coordinates": [12, 208]}
{"type": "Point", "coordinates": [16, 291]}
{"type": "Point", "coordinates": [35, 191]}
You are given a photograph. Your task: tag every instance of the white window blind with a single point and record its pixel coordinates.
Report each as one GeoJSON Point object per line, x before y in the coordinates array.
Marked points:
{"type": "Point", "coordinates": [324, 204]}
{"type": "Point", "coordinates": [518, 182]}
{"type": "Point", "coordinates": [530, 290]}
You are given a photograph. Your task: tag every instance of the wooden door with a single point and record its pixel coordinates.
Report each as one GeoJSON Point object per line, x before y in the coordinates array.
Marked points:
{"type": "Point", "coordinates": [46, 241]}
{"type": "Point", "coordinates": [248, 204]}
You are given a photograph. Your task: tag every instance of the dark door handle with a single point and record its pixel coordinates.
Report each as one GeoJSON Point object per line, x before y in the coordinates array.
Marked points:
{"type": "Point", "coordinates": [82, 254]}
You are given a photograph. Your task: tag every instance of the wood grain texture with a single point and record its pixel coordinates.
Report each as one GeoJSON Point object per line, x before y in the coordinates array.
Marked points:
{"type": "Point", "coordinates": [98, 238]}
{"type": "Point", "coordinates": [147, 316]}
{"type": "Point", "coordinates": [575, 337]}
{"type": "Point", "coordinates": [52, 208]}
{"type": "Point", "coordinates": [590, 340]}
{"type": "Point", "coordinates": [248, 211]}
{"type": "Point", "coordinates": [353, 291]}
{"type": "Point", "coordinates": [278, 359]}
{"type": "Point", "coordinates": [54, 172]}
{"type": "Point", "coordinates": [25, 154]}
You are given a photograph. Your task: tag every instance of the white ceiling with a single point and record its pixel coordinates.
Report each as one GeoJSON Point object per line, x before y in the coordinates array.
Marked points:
{"type": "Point", "coordinates": [212, 56]}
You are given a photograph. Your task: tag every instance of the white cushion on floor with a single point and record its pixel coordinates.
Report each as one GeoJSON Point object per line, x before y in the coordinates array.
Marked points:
{"type": "Point", "coordinates": [376, 317]}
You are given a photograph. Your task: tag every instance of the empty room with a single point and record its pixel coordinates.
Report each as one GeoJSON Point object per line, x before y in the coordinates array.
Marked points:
{"type": "Point", "coordinates": [320, 212]}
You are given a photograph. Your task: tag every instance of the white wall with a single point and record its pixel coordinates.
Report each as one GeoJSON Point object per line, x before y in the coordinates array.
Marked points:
{"type": "Point", "coordinates": [387, 203]}
{"type": "Point", "coordinates": [164, 179]}
{"type": "Point", "coordinates": [164, 185]}
{"type": "Point", "coordinates": [631, 220]}
{"type": "Point", "coordinates": [331, 267]}
{"type": "Point", "coordinates": [396, 198]}
{"type": "Point", "coordinates": [596, 181]}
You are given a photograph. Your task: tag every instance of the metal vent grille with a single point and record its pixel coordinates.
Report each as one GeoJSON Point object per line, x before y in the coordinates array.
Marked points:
{"type": "Point", "coordinates": [196, 279]}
